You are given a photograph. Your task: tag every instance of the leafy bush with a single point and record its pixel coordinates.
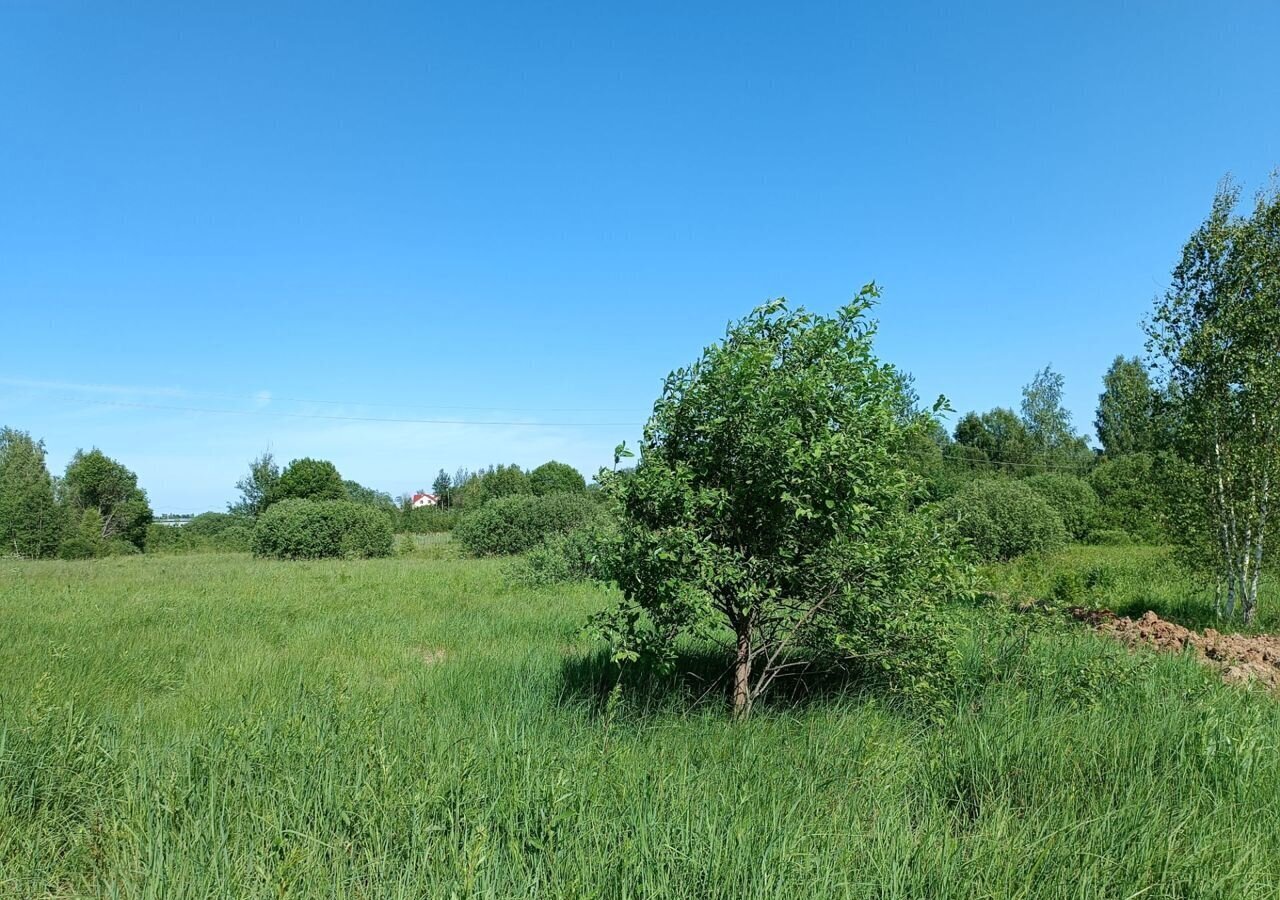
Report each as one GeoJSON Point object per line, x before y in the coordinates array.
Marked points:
{"type": "Point", "coordinates": [1002, 518]}
{"type": "Point", "coordinates": [317, 529]}
{"type": "Point", "coordinates": [428, 520]}
{"type": "Point", "coordinates": [556, 477]}
{"type": "Point", "coordinates": [95, 482]}
{"type": "Point", "coordinates": [491, 484]}
{"type": "Point", "coordinates": [1133, 496]}
{"type": "Point", "coordinates": [1112, 537]}
{"type": "Point", "coordinates": [206, 533]}
{"type": "Point", "coordinates": [78, 546]}
{"type": "Point", "coordinates": [1075, 502]}
{"type": "Point", "coordinates": [577, 555]}
{"type": "Point", "coordinates": [309, 479]}
{"type": "Point", "coordinates": [519, 523]}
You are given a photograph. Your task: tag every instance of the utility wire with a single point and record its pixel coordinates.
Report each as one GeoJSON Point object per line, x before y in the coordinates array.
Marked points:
{"type": "Point", "coordinates": [337, 418]}
{"type": "Point", "coordinates": [267, 395]}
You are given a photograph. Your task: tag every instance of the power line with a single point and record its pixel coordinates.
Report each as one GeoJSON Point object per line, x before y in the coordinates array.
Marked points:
{"type": "Point", "coordinates": [337, 418]}
{"type": "Point", "coordinates": [267, 395]}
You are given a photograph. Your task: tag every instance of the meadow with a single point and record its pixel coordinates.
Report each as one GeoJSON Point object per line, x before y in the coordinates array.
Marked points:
{"type": "Point", "coordinates": [216, 725]}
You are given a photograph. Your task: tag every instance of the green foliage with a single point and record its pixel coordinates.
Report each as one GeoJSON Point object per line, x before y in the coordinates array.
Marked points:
{"type": "Point", "coordinates": [490, 484]}
{"type": "Point", "coordinates": [209, 532]}
{"type": "Point", "coordinates": [258, 488]}
{"type": "Point", "coordinates": [1072, 499]}
{"type": "Point", "coordinates": [1216, 333]}
{"type": "Point", "coordinates": [1042, 439]}
{"type": "Point", "coordinates": [428, 520]}
{"type": "Point", "coordinates": [1110, 537]}
{"type": "Point", "coordinates": [317, 529]}
{"type": "Point", "coordinates": [578, 555]}
{"type": "Point", "coordinates": [518, 523]}
{"type": "Point", "coordinates": [1134, 494]}
{"type": "Point", "coordinates": [367, 496]}
{"type": "Point", "coordinates": [96, 482]}
{"type": "Point", "coordinates": [771, 507]}
{"type": "Point", "coordinates": [31, 524]}
{"type": "Point", "coordinates": [1002, 518]}
{"type": "Point", "coordinates": [442, 487]}
{"type": "Point", "coordinates": [309, 479]}
{"type": "Point", "coordinates": [554, 478]}
{"type": "Point", "coordinates": [1127, 420]}
{"type": "Point", "coordinates": [999, 436]}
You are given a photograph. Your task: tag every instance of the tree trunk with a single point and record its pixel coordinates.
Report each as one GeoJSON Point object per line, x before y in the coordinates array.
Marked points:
{"type": "Point", "coordinates": [742, 670]}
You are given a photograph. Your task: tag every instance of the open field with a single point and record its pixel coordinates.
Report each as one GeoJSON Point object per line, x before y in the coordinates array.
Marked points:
{"type": "Point", "coordinates": [212, 726]}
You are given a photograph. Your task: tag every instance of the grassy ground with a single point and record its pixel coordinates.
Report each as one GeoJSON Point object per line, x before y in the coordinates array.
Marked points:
{"type": "Point", "coordinates": [1129, 581]}
{"type": "Point", "coordinates": [217, 726]}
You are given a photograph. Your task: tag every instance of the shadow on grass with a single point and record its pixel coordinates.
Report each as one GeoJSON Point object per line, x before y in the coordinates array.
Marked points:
{"type": "Point", "coordinates": [700, 679]}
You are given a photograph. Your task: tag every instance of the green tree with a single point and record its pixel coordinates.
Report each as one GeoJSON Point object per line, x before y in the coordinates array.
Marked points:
{"type": "Point", "coordinates": [309, 479]}
{"type": "Point", "coordinates": [1216, 334]}
{"type": "Point", "coordinates": [31, 524]}
{"type": "Point", "coordinates": [556, 477]}
{"type": "Point", "coordinates": [490, 484]}
{"type": "Point", "coordinates": [1048, 422]}
{"type": "Point", "coordinates": [771, 506]}
{"type": "Point", "coordinates": [442, 487]}
{"type": "Point", "coordinates": [1127, 409]}
{"type": "Point", "coordinates": [367, 496]}
{"type": "Point", "coordinates": [1001, 438]}
{"type": "Point", "coordinates": [94, 481]}
{"type": "Point", "coordinates": [258, 487]}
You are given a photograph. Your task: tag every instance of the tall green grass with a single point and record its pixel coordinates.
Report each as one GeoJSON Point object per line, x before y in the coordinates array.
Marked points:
{"type": "Point", "coordinates": [217, 726]}
{"type": "Point", "coordinates": [1129, 580]}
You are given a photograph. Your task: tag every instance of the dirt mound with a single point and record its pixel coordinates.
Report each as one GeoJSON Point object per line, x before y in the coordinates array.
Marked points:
{"type": "Point", "coordinates": [1240, 658]}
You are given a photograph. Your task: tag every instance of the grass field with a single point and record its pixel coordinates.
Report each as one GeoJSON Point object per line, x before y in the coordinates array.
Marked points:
{"type": "Point", "coordinates": [218, 726]}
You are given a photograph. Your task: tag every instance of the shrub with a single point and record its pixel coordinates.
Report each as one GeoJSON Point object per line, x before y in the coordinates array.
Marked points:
{"type": "Point", "coordinates": [206, 533]}
{"type": "Point", "coordinates": [211, 524]}
{"type": "Point", "coordinates": [318, 529]}
{"type": "Point", "coordinates": [515, 524]}
{"type": "Point", "coordinates": [556, 477]}
{"type": "Point", "coordinates": [1133, 495]}
{"type": "Point", "coordinates": [1075, 502]}
{"type": "Point", "coordinates": [1110, 537]}
{"type": "Point", "coordinates": [1001, 519]}
{"type": "Point", "coordinates": [309, 479]}
{"type": "Point", "coordinates": [577, 555]}
{"type": "Point", "coordinates": [491, 484]}
{"type": "Point", "coordinates": [367, 533]}
{"type": "Point", "coordinates": [78, 546]}
{"type": "Point", "coordinates": [428, 520]}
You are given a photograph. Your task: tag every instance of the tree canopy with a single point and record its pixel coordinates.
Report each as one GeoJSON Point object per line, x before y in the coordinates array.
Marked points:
{"type": "Point", "coordinates": [309, 479]}
{"type": "Point", "coordinates": [771, 505]}
{"type": "Point", "coordinates": [31, 523]}
{"type": "Point", "coordinates": [96, 484]}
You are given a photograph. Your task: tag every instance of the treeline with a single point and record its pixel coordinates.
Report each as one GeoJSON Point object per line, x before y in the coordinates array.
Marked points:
{"type": "Point", "coordinates": [308, 511]}
{"type": "Point", "coordinates": [1024, 481]}
{"type": "Point", "coordinates": [95, 509]}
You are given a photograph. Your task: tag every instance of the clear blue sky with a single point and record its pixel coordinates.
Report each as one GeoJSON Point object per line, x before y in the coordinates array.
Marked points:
{"type": "Point", "coordinates": [535, 211]}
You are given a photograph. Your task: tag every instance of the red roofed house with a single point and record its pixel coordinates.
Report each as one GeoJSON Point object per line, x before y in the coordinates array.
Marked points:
{"type": "Point", "coordinates": [420, 500]}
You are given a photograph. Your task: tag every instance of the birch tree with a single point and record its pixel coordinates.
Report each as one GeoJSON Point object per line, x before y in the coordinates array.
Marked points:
{"type": "Point", "coordinates": [1215, 335]}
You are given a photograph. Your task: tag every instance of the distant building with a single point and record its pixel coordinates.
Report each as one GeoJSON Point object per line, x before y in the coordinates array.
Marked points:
{"type": "Point", "coordinates": [421, 500]}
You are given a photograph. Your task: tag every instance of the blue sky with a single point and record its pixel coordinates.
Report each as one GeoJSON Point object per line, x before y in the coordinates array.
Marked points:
{"type": "Point", "coordinates": [526, 214]}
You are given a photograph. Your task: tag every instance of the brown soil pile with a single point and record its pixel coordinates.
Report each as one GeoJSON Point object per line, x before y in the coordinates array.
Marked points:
{"type": "Point", "coordinates": [1239, 657]}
